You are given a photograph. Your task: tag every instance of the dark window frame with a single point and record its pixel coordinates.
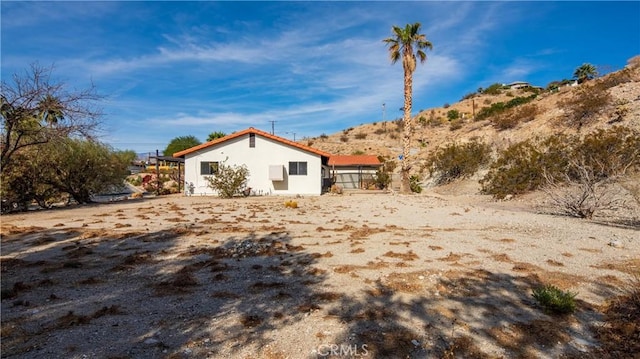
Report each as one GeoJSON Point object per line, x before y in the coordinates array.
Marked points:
{"type": "Point", "coordinates": [252, 140]}
{"type": "Point", "coordinates": [298, 168]}
{"type": "Point", "coordinates": [211, 168]}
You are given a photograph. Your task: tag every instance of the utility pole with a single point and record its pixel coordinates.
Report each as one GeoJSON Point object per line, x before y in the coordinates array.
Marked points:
{"type": "Point", "coordinates": [273, 127]}
{"type": "Point", "coordinates": [384, 123]}
{"type": "Point", "coordinates": [157, 174]}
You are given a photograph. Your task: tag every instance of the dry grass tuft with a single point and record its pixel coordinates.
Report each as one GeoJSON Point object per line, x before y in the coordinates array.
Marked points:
{"type": "Point", "coordinates": [225, 295]}
{"type": "Point", "coordinates": [620, 335]}
{"type": "Point", "coordinates": [251, 320]}
{"type": "Point", "coordinates": [630, 266]}
{"type": "Point", "coordinates": [409, 256]}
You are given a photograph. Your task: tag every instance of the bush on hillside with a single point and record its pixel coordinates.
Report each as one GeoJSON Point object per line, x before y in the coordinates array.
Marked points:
{"type": "Point", "coordinates": [530, 164]}
{"type": "Point", "coordinates": [512, 117]}
{"type": "Point", "coordinates": [521, 167]}
{"type": "Point", "coordinates": [455, 124]}
{"type": "Point", "coordinates": [360, 136]}
{"type": "Point", "coordinates": [499, 107]}
{"type": "Point", "coordinates": [455, 161]}
{"type": "Point", "coordinates": [494, 89]}
{"type": "Point", "coordinates": [586, 104]}
{"type": "Point", "coordinates": [453, 115]}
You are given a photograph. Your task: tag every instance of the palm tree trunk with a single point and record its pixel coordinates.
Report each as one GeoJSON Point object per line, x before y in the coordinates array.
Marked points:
{"type": "Point", "coordinates": [408, 130]}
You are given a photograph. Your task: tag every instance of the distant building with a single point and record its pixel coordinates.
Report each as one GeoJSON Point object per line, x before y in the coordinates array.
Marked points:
{"type": "Point", "coordinates": [518, 85]}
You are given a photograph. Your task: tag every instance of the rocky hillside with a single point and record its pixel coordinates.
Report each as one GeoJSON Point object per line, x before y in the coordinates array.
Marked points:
{"type": "Point", "coordinates": [547, 114]}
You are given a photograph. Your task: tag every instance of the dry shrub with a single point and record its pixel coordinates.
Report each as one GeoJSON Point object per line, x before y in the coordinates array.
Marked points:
{"type": "Point", "coordinates": [463, 347]}
{"type": "Point", "coordinates": [251, 320]}
{"type": "Point", "coordinates": [179, 283]}
{"type": "Point", "coordinates": [511, 118]}
{"type": "Point", "coordinates": [365, 232]}
{"type": "Point", "coordinates": [587, 102]}
{"type": "Point", "coordinates": [291, 204]}
{"type": "Point", "coordinates": [404, 282]}
{"type": "Point", "coordinates": [387, 340]}
{"type": "Point", "coordinates": [71, 319]}
{"type": "Point", "coordinates": [620, 335]}
{"type": "Point", "coordinates": [409, 256]}
{"type": "Point", "coordinates": [225, 295]}
{"type": "Point", "coordinates": [261, 286]}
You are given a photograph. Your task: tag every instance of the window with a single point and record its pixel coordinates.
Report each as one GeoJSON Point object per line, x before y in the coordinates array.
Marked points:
{"type": "Point", "coordinates": [252, 140]}
{"type": "Point", "coordinates": [297, 168]}
{"type": "Point", "coordinates": [208, 168]}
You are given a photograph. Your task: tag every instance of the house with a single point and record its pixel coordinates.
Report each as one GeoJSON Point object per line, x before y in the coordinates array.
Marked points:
{"type": "Point", "coordinates": [355, 171]}
{"type": "Point", "coordinates": [518, 85]}
{"type": "Point", "coordinates": [276, 165]}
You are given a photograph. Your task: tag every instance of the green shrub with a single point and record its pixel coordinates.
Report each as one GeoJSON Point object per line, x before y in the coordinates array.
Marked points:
{"type": "Point", "coordinates": [229, 180]}
{"type": "Point", "coordinates": [554, 300]}
{"type": "Point", "coordinates": [521, 167]}
{"type": "Point", "coordinates": [453, 115]}
{"type": "Point", "coordinates": [357, 152]}
{"type": "Point", "coordinates": [494, 89]}
{"type": "Point", "coordinates": [422, 121]}
{"type": "Point", "coordinates": [382, 178]}
{"type": "Point", "coordinates": [499, 107]}
{"type": "Point", "coordinates": [135, 181]}
{"type": "Point", "coordinates": [456, 161]}
{"type": "Point", "coordinates": [414, 184]}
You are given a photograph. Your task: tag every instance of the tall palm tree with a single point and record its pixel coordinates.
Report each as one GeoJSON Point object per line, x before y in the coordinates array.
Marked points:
{"type": "Point", "coordinates": [585, 72]}
{"type": "Point", "coordinates": [401, 46]}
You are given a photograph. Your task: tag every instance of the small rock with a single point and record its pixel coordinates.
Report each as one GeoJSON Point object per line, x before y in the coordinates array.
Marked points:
{"type": "Point", "coordinates": [421, 277]}
{"type": "Point", "coordinates": [415, 342]}
{"type": "Point", "coordinates": [151, 341]}
{"type": "Point", "coordinates": [616, 244]}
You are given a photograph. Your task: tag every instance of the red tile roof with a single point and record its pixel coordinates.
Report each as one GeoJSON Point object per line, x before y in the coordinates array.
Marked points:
{"type": "Point", "coordinates": [247, 131]}
{"type": "Point", "coordinates": [355, 160]}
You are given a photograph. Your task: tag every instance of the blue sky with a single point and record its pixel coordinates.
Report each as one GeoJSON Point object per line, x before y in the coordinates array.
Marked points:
{"type": "Point", "coordinates": [171, 69]}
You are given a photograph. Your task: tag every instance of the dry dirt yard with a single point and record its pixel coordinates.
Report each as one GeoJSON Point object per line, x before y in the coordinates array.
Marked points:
{"type": "Point", "coordinates": [434, 275]}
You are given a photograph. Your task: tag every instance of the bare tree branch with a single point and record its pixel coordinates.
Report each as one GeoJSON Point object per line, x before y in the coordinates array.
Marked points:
{"type": "Point", "coordinates": [36, 110]}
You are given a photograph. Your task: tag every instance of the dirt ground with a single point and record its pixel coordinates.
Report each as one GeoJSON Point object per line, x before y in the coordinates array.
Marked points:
{"type": "Point", "coordinates": [435, 275]}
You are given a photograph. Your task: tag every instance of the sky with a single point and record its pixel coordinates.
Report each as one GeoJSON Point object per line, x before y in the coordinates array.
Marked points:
{"type": "Point", "coordinates": [167, 69]}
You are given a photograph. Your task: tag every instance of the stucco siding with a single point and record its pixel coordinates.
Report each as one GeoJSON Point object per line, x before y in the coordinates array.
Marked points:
{"type": "Point", "coordinates": [258, 159]}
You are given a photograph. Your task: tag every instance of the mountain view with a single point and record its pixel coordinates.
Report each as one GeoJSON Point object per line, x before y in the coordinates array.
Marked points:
{"type": "Point", "coordinates": [604, 103]}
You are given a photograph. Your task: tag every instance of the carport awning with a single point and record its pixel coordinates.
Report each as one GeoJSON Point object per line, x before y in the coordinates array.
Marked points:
{"type": "Point", "coordinates": [354, 160]}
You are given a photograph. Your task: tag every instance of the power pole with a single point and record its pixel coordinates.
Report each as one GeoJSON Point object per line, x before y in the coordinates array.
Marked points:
{"type": "Point", "coordinates": [273, 127]}
{"type": "Point", "coordinates": [384, 124]}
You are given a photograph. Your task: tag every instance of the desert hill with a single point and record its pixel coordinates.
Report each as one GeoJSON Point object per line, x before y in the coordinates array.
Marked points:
{"type": "Point", "coordinates": [433, 128]}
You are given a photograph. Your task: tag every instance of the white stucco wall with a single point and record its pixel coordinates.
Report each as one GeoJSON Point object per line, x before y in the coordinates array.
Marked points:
{"type": "Point", "coordinates": [266, 152]}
